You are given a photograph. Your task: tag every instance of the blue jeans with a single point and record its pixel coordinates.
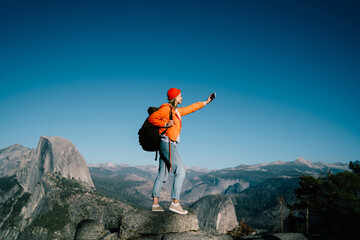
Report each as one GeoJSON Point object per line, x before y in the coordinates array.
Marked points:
{"type": "Point", "coordinates": [164, 168]}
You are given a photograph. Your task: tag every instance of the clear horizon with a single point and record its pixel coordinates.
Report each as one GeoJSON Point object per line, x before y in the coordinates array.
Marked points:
{"type": "Point", "coordinates": [155, 163]}
{"type": "Point", "coordinates": [286, 74]}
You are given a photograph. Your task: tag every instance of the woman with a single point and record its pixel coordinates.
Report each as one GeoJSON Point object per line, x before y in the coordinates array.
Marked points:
{"type": "Point", "coordinates": [168, 118]}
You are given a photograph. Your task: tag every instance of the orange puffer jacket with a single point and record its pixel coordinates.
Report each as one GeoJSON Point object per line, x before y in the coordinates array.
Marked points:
{"type": "Point", "coordinates": [161, 117]}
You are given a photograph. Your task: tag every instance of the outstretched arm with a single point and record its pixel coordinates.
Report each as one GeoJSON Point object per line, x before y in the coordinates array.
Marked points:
{"type": "Point", "coordinates": [193, 107]}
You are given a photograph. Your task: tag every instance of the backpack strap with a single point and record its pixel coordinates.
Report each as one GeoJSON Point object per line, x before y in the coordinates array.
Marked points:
{"type": "Point", "coordinates": [170, 155]}
{"type": "Point", "coordinates": [171, 118]}
{"type": "Point", "coordinates": [156, 155]}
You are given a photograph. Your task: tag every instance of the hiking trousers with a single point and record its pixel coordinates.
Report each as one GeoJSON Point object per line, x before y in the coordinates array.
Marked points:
{"type": "Point", "coordinates": [164, 169]}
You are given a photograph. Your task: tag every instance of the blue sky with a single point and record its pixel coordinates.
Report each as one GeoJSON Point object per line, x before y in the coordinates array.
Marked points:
{"type": "Point", "coordinates": [286, 74]}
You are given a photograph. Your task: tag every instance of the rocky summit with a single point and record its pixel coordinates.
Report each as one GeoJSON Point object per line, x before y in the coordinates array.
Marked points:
{"type": "Point", "coordinates": [53, 154]}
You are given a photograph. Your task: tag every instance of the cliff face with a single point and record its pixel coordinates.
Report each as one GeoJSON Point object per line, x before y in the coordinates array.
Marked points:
{"type": "Point", "coordinates": [24, 180]}
{"type": "Point", "coordinates": [216, 214]}
{"type": "Point", "coordinates": [53, 154]}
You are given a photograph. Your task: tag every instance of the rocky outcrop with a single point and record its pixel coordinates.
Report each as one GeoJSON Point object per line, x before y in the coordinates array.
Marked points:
{"type": "Point", "coordinates": [90, 229]}
{"type": "Point", "coordinates": [196, 236]}
{"type": "Point", "coordinates": [216, 214]}
{"type": "Point", "coordinates": [141, 223]}
{"type": "Point", "coordinates": [147, 225]}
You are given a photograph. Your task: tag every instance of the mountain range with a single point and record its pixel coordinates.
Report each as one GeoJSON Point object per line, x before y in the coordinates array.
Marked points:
{"type": "Point", "coordinates": [253, 189]}
{"type": "Point", "coordinates": [137, 181]}
{"type": "Point", "coordinates": [46, 192]}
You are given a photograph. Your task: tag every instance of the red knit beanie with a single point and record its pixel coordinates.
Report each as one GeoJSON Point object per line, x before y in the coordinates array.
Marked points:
{"type": "Point", "coordinates": [173, 93]}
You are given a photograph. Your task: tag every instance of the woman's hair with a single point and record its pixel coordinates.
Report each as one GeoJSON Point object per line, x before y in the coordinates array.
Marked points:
{"type": "Point", "coordinates": [173, 103]}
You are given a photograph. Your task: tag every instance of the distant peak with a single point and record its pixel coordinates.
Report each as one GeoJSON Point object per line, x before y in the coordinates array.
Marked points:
{"type": "Point", "coordinates": [303, 161]}
{"type": "Point", "coordinates": [16, 145]}
{"type": "Point", "coordinates": [110, 165]}
{"type": "Point", "coordinates": [14, 148]}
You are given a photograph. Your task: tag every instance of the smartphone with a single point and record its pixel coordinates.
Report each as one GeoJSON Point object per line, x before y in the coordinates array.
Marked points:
{"type": "Point", "coordinates": [212, 96]}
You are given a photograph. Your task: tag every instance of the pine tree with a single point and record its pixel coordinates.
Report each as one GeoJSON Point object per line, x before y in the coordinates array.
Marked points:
{"type": "Point", "coordinates": [335, 198]}
{"type": "Point", "coordinates": [282, 204]}
{"type": "Point", "coordinates": [309, 196]}
{"type": "Point", "coordinates": [355, 167]}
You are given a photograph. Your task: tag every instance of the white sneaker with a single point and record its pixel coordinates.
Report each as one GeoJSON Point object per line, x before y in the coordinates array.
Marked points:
{"type": "Point", "coordinates": [157, 209]}
{"type": "Point", "coordinates": [178, 209]}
